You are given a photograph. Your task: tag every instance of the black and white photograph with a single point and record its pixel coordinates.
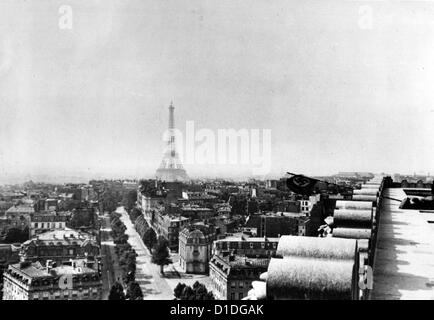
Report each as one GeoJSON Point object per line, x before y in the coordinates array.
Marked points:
{"type": "Point", "coordinates": [229, 151]}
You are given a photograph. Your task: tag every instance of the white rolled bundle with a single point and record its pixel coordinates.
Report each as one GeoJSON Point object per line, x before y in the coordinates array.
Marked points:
{"type": "Point", "coordinates": [359, 197]}
{"type": "Point", "coordinates": [313, 247]}
{"type": "Point", "coordinates": [373, 183]}
{"type": "Point", "coordinates": [309, 278]}
{"type": "Point", "coordinates": [367, 186]}
{"type": "Point", "coordinates": [369, 192]}
{"type": "Point", "coordinates": [353, 205]}
{"type": "Point", "coordinates": [352, 218]}
{"type": "Point", "coordinates": [352, 233]}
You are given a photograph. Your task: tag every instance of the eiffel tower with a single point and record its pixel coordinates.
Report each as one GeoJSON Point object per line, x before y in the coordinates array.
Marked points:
{"type": "Point", "coordinates": [171, 168]}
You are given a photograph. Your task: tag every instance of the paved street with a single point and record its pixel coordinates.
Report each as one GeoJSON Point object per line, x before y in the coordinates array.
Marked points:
{"type": "Point", "coordinates": [154, 287]}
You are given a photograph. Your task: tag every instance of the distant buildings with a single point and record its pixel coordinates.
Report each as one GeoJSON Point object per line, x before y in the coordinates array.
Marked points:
{"type": "Point", "coordinates": [33, 281]}
{"type": "Point", "coordinates": [274, 224]}
{"type": "Point", "coordinates": [8, 255]}
{"type": "Point", "coordinates": [50, 221]}
{"type": "Point", "coordinates": [61, 246]}
{"type": "Point", "coordinates": [231, 276]}
{"type": "Point", "coordinates": [195, 212]}
{"type": "Point", "coordinates": [169, 226]}
{"type": "Point", "coordinates": [308, 203]}
{"type": "Point", "coordinates": [154, 201]}
{"type": "Point", "coordinates": [246, 246]}
{"type": "Point", "coordinates": [51, 204]}
{"type": "Point", "coordinates": [19, 216]}
{"type": "Point", "coordinates": [195, 246]}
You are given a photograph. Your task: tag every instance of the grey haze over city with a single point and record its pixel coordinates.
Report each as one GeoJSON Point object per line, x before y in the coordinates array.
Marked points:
{"type": "Point", "coordinates": [336, 94]}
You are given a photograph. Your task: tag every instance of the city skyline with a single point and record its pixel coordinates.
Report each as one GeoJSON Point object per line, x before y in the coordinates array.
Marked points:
{"type": "Point", "coordinates": [336, 97]}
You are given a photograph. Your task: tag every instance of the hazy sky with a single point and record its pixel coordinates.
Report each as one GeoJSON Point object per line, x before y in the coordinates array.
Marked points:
{"type": "Point", "coordinates": [336, 96]}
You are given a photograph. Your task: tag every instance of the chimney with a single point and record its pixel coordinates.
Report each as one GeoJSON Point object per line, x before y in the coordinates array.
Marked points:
{"type": "Point", "coordinates": [49, 265]}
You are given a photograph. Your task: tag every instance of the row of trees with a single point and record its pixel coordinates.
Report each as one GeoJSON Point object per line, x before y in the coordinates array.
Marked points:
{"type": "Point", "coordinates": [109, 200]}
{"type": "Point", "coordinates": [83, 219]}
{"type": "Point", "coordinates": [129, 200]}
{"type": "Point", "coordinates": [197, 292]}
{"type": "Point", "coordinates": [159, 247]}
{"type": "Point", "coordinates": [15, 235]}
{"type": "Point", "coordinates": [150, 238]}
{"type": "Point", "coordinates": [134, 213]}
{"type": "Point", "coordinates": [127, 261]}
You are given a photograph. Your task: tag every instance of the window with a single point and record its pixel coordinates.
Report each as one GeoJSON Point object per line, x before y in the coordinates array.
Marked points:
{"type": "Point", "coordinates": [241, 284]}
{"type": "Point", "coordinates": [251, 245]}
{"type": "Point", "coordinates": [240, 296]}
{"type": "Point", "coordinates": [232, 296]}
{"type": "Point", "coordinates": [233, 284]}
{"type": "Point", "coordinates": [36, 225]}
{"type": "Point", "coordinates": [263, 245]}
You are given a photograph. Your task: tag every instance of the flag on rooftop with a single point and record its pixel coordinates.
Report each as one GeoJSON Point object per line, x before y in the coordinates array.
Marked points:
{"type": "Point", "coordinates": [301, 184]}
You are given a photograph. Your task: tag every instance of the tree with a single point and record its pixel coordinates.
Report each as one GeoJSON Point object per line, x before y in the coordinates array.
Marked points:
{"type": "Point", "coordinates": [83, 218]}
{"type": "Point", "coordinates": [179, 289]}
{"type": "Point", "coordinates": [134, 214]}
{"type": "Point", "coordinates": [120, 239]}
{"type": "Point", "coordinates": [252, 206]}
{"type": "Point", "coordinates": [129, 277]}
{"type": "Point", "coordinates": [117, 292]}
{"type": "Point", "coordinates": [134, 292]}
{"type": "Point", "coordinates": [197, 292]}
{"type": "Point", "coordinates": [187, 293]}
{"type": "Point", "coordinates": [14, 235]}
{"type": "Point", "coordinates": [150, 238]}
{"type": "Point", "coordinates": [200, 291]}
{"type": "Point", "coordinates": [109, 200]}
{"type": "Point", "coordinates": [129, 199]}
{"type": "Point", "coordinates": [161, 255]}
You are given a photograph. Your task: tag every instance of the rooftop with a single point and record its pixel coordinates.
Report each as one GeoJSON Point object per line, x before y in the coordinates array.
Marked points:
{"type": "Point", "coordinates": [242, 237]}
{"type": "Point", "coordinates": [61, 237]}
{"type": "Point", "coordinates": [20, 209]}
{"type": "Point", "coordinates": [404, 265]}
{"type": "Point", "coordinates": [36, 270]}
{"type": "Point", "coordinates": [239, 262]}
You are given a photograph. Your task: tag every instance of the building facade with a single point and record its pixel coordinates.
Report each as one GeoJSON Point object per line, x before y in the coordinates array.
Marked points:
{"type": "Point", "coordinates": [43, 222]}
{"type": "Point", "coordinates": [195, 246]}
{"type": "Point", "coordinates": [61, 246]}
{"type": "Point", "coordinates": [232, 276]}
{"type": "Point", "coordinates": [19, 216]}
{"type": "Point", "coordinates": [169, 227]}
{"type": "Point", "coordinates": [251, 247]}
{"type": "Point", "coordinates": [33, 281]}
